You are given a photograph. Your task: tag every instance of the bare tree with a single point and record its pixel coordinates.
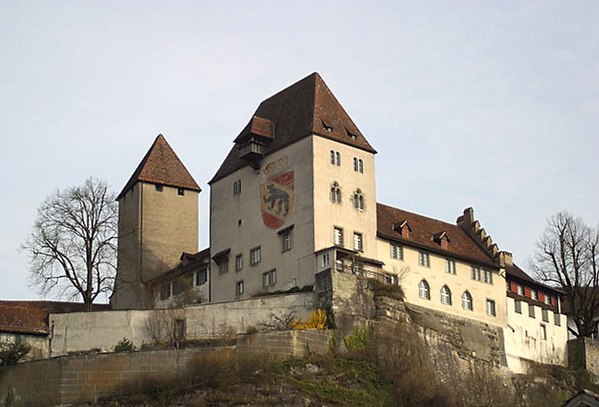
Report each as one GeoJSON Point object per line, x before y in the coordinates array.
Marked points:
{"type": "Point", "coordinates": [567, 255]}
{"type": "Point", "coordinates": [73, 243]}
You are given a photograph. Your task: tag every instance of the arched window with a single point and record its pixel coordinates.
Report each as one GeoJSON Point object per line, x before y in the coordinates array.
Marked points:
{"type": "Point", "coordinates": [335, 193]}
{"type": "Point", "coordinates": [332, 157]}
{"type": "Point", "coordinates": [445, 295]}
{"type": "Point", "coordinates": [361, 165]}
{"type": "Point", "coordinates": [338, 158]}
{"type": "Point", "coordinates": [424, 291]}
{"type": "Point", "coordinates": [358, 200]}
{"type": "Point", "coordinates": [355, 164]}
{"type": "Point", "coordinates": [467, 301]}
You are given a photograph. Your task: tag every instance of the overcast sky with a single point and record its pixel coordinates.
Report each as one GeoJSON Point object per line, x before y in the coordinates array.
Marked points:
{"type": "Point", "coordinates": [493, 105]}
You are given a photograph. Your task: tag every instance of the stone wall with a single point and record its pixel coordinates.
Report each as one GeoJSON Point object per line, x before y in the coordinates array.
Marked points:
{"type": "Point", "coordinates": [100, 331]}
{"type": "Point", "coordinates": [583, 353]}
{"type": "Point", "coordinates": [80, 379]}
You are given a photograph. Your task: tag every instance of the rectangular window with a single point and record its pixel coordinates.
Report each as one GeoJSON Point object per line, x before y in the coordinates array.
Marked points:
{"type": "Point", "coordinates": [269, 278]}
{"type": "Point", "coordinates": [338, 236]}
{"type": "Point", "coordinates": [239, 288]}
{"type": "Point", "coordinates": [159, 187]}
{"type": "Point", "coordinates": [201, 276]}
{"type": "Point", "coordinates": [518, 306]}
{"type": "Point", "coordinates": [238, 262]}
{"type": "Point", "coordinates": [519, 289]}
{"type": "Point", "coordinates": [547, 299]}
{"type": "Point", "coordinates": [543, 332]}
{"type": "Point", "coordinates": [556, 319]}
{"type": "Point", "coordinates": [545, 315]}
{"type": "Point", "coordinates": [531, 310]}
{"type": "Point", "coordinates": [355, 164]}
{"type": "Point", "coordinates": [424, 259]}
{"type": "Point", "coordinates": [491, 308]}
{"type": "Point", "coordinates": [332, 157]}
{"type": "Point", "coordinates": [286, 240]}
{"type": "Point", "coordinates": [396, 251]}
{"type": "Point", "coordinates": [255, 255]}
{"type": "Point", "coordinates": [326, 260]}
{"type": "Point", "coordinates": [487, 276]}
{"type": "Point", "coordinates": [223, 266]}
{"type": "Point", "coordinates": [237, 187]}
{"type": "Point", "coordinates": [338, 158]}
{"type": "Point", "coordinates": [475, 273]}
{"type": "Point", "coordinates": [533, 294]}
{"type": "Point", "coordinates": [450, 266]}
{"type": "Point", "coordinates": [180, 191]}
{"type": "Point", "coordinates": [358, 243]}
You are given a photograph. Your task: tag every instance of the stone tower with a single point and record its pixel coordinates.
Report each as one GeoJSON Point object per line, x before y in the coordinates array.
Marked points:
{"type": "Point", "coordinates": [158, 220]}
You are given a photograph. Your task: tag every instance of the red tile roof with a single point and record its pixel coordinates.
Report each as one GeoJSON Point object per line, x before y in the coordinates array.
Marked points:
{"type": "Point", "coordinates": [31, 317]}
{"type": "Point", "coordinates": [423, 231]}
{"type": "Point", "coordinates": [161, 165]}
{"type": "Point", "coordinates": [306, 107]}
{"type": "Point", "coordinates": [517, 273]}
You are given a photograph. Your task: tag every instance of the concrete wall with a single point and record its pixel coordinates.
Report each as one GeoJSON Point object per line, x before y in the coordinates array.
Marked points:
{"type": "Point", "coordinates": [411, 273]}
{"type": "Point", "coordinates": [84, 331]}
{"type": "Point", "coordinates": [524, 340]}
{"type": "Point", "coordinates": [80, 379]}
{"type": "Point", "coordinates": [237, 225]}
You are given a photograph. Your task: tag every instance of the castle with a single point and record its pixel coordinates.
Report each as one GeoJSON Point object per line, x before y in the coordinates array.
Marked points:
{"type": "Point", "coordinates": [295, 196]}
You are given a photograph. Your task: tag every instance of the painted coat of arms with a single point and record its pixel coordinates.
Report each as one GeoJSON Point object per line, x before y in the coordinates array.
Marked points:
{"type": "Point", "coordinates": [276, 199]}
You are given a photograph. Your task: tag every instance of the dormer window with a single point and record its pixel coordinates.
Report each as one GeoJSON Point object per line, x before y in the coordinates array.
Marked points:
{"type": "Point", "coordinates": [403, 228]}
{"type": "Point", "coordinates": [351, 135]}
{"type": "Point", "coordinates": [441, 239]}
{"type": "Point", "coordinates": [327, 127]}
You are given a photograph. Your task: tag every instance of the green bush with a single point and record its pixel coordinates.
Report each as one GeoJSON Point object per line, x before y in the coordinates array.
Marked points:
{"type": "Point", "coordinates": [358, 340]}
{"type": "Point", "coordinates": [124, 345]}
{"type": "Point", "coordinates": [12, 352]}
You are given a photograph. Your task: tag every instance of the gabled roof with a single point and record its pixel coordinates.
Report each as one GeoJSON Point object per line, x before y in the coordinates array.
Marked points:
{"type": "Point", "coordinates": [189, 262]}
{"type": "Point", "coordinates": [31, 317]}
{"type": "Point", "coordinates": [424, 228]}
{"type": "Point", "coordinates": [304, 108]}
{"type": "Point", "coordinates": [517, 273]}
{"type": "Point", "coordinates": [161, 165]}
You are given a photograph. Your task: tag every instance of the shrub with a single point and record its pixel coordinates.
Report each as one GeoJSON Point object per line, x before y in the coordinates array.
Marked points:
{"type": "Point", "coordinates": [124, 345]}
{"type": "Point", "coordinates": [358, 340]}
{"type": "Point", "coordinates": [316, 320]}
{"type": "Point", "coordinates": [12, 352]}
{"type": "Point", "coordinates": [251, 330]}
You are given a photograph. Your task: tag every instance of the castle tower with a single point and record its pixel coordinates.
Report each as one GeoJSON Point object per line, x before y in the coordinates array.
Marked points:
{"type": "Point", "coordinates": [158, 220]}
{"type": "Point", "coordinates": [298, 181]}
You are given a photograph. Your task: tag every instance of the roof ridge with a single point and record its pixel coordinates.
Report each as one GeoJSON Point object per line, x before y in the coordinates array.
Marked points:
{"type": "Point", "coordinates": [417, 214]}
{"type": "Point", "coordinates": [161, 165]}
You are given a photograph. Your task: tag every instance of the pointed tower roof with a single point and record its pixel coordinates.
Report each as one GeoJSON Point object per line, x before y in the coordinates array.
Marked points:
{"type": "Point", "coordinates": [161, 165]}
{"type": "Point", "coordinates": [304, 108]}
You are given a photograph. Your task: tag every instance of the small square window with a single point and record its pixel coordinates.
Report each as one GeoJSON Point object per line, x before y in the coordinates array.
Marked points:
{"type": "Point", "coordinates": [223, 266]}
{"type": "Point", "coordinates": [201, 276]}
{"type": "Point", "coordinates": [531, 310]}
{"type": "Point", "coordinates": [543, 332]}
{"type": "Point", "coordinates": [239, 288]}
{"type": "Point", "coordinates": [158, 187]}
{"type": "Point", "coordinates": [269, 278]}
{"type": "Point", "coordinates": [180, 191]}
{"type": "Point", "coordinates": [491, 311]}
{"type": "Point", "coordinates": [556, 319]}
{"type": "Point", "coordinates": [338, 236]}
{"type": "Point", "coordinates": [450, 266]}
{"type": "Point", "coordinates": [326, 260]}
{"type": "Point", "coordinates": [545, 315]}
{"type": "Point", "coordinates": [255, 255]}
{"type": "Point", "coordinates": [518, 307]}
{"type": "Point", "coordinates": [424, 259]}
{"type": "Point", "coordinates": [396, 251]}
{"type": "Point", "coordinates": [358, 243]}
